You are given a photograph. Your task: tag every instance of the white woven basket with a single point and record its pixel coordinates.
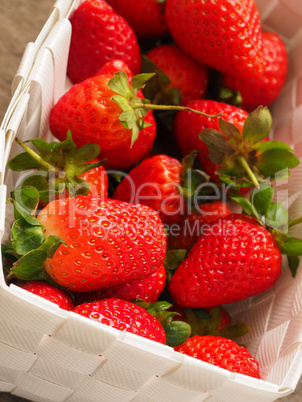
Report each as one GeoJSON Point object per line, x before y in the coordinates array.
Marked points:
{"type": "Point", "coordinates": [48, 354]}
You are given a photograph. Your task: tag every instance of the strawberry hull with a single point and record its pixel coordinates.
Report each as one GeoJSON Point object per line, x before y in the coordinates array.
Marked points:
{"type": "Point", "coordinates": [41, 345]}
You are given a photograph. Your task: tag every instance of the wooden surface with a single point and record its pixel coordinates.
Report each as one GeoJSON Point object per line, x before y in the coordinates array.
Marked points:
{"type": "Point", "coordinates": [20, 23]}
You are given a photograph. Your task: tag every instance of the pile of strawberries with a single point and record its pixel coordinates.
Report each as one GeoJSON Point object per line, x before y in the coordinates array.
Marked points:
{"type": "Point", "coordinates": [128, 220]}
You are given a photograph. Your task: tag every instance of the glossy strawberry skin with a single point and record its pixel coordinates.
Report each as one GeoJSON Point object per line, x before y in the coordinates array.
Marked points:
{"type": "Point", "coordinates": [97, 179]}
{"type": "Point", "coordinates": [108, 242]}
{"type": "Point", "coordinates": [235, 259]}
{"type": "Point", "coordinates": [154, 182]}
{"type": "Point", "coordinates": [225, 35]}
{"type": "Point", "coordinates": [99, 35]}
{"type": "Point", "coordinates": [221, 352]}
{"type": "Point", "coordinates": [188, 126]}
{"type": "Point", "coordinates": [185, 73]}
{"type": "Point", "coordinates": [88, 111]}
{"type": "Point", "coordinates": [265, 89]}
{"type": "Point", "coordinates": [145, 17]}
{"type": "Point", "coordinates": [49, 292]}
{"type": "Point", "coordinates": [190, 228]}
{"type": "Point", "coordinates": [147, 289]}
{"type": "Point", "coordinates": [124, 316]}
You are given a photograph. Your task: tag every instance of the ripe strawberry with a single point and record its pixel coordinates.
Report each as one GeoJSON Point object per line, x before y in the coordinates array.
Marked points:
{"type": "Point", "coordinates": [61, 169]}
{"type": "Point", "coordinates": [147, 289]}
{"type": "Point", "coordinates": [154, 182]}
{"type": "Point", "coordinates": [107, 242]}
{"type": "Point", "coordinates": [193, 224]}
{"type": "Point", "coordinates": [235, 148]}
{"type": "Point", "coordinates": [99, 35]}
{"type": "Point", "coordinates": [125, 316]}
{"type": "Point", "coordinates": [221, 352]}
{"type": "Point", "coordinates": [49, 292]}
{"type": "Point", "coordinates": [180, 72]}
{"type": "Point", "coordinates": [188, 127]}
{"type": "Point", "coordinates": [114, 65]}
{"type": "Point", "coordinates": [235, 259]}
{"type": "Point", "coordinates": [265, 89]}
{"type": "Point", "coordinates": [225, 35]}
{"type": "Point", "coordinates": [89, 111]}
{"type": "Point", "coordinates": [145, 17]}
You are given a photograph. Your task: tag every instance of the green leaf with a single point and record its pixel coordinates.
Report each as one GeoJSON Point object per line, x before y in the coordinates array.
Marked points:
{"type": "Point", "coordinates": [268, 145]}
{"type": "Point", "coordinates": [293, 263]}
{"type": "Point", "coordinates": [28, 197]}
{"type": "Point", "coordinates": [246, 205]}
{"type": "Point", "coordinates": [42, 146]}
{"type": "Point", "coordinates": [77, 186]}
{"type": "Point", "coordinates": [85, 153]}
{"type": "Point", "coordinates": [215, 141]}
{"type": "Point", "coordinates": [30, 266]}
{"type": "Point", "coordinates": [276, 215]}
{"type": "Point", "coordinates": [191, 181]}
{"type": "Point", "coordinates": [22, 209]}
{"type": "Point", "coordinates": [119, 84]}
{"type": "Point", "coordinates": [139, 80]}
{"type": "Point", "coordinates": [51, 244]}
{"type": "Point", "coordinates": [257, 126]}
{"type": "Point", "coordinates": [230, 131]}
{"type": "Point", "coordinates": [233, 330]}
{"type": "Point", "coordinates": [22, 162]}
{"type": "Point", "coordinates": [262, 198]}
{"type": "Point", "coordinates": [276, 160]}
{"type": "Point", "coordinates": [177, 332]}
{"type": "Point", "coordinates": [291, 246]}
{"type": "Point", "coordinates": [26, 237]}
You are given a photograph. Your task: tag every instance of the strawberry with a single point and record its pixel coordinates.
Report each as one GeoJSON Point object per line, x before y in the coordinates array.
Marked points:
{"type": "Point", "coordinates": [124, 316]}
{"type": "Point", "coordinates": [235, 148]}
{"type": "Point", "coordinates": [226, 35]}
{"type": "Point", "coordinates": [145, 17]}
{"type": "Point", "coordinates": [221, 352]}
{"type": "Point", "coordinates": [265, 89]}
{"type": "Point", "coordinates": [99, 35]}
{"type": "Point", "coordinates": [188, 127]}
{"type": "Point", "coordinates": [154, 182]}
{"type": "Point", "coordinates": [147, 289]}
{"type": "Point", "coordinates": [175, 72]}
{"type": "Point", "coordinates": [238, 256]}
{"type": "Point", "coordinates": [49, 292]}
{"type": "Point", "coordinates": [107, 242]}
{"type": "Point", "coordinates": [191, 226]}
{"type": "Point", "coordinates": [62, 169]}
{"type": "Point", "coordinates": [108, 112]}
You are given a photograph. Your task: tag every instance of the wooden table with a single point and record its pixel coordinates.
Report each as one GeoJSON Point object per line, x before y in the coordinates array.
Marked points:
{"type": "Point", "coordinates": [20, 23]}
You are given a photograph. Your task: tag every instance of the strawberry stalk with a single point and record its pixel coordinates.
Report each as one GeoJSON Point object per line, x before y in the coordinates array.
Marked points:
{"type": "Point", "coordinates": [135, 108]}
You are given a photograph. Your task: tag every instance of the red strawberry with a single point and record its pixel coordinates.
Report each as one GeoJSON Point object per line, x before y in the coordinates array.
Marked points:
{"type": "Point", "coordinates": [125, 316]}
{"type": "Point", "coordinates": [145, 17]}
{"type": "Point", "coordinates": [88, 110]}
{"type": "Point", "coordinates": [147, 289]}
{"type": "Point", "coordinates": [235, 259]}
{"type": "Point", "coordinates": [61, 169]}
{"type": "Point", "coordinates": [99, 35]}
{"type": "Point", "coordinates": [114, 65]}
{"type": "Point", "coordinates": [221, 352]}
{"type": "Point", "coordinates": [188, 127]}
{"type": "Point", "coordinates": [225, 35]}
{"type": "Point", "coordinates": [154, 182]}
{"type": "Point", "coordinates": [184, 73]}
{"type": "Point", "coordinates": [191, 227]}
{"type": "Point", "coordinates": [107, 242]}
{"type": "Point", "coordinates": [265, 89]}
{"type": "Point", "coordinates": [49, 292]}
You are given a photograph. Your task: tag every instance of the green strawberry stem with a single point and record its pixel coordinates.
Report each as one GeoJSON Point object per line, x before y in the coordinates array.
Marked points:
{"type": "Point", "coordinates": [44, 164]}
{"type": "Point", "coordinates": [294, 222]}
{"type": "Point", "coordinates": [249, 171]}
{"type": "Point", "coordinates": [150, 106]}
